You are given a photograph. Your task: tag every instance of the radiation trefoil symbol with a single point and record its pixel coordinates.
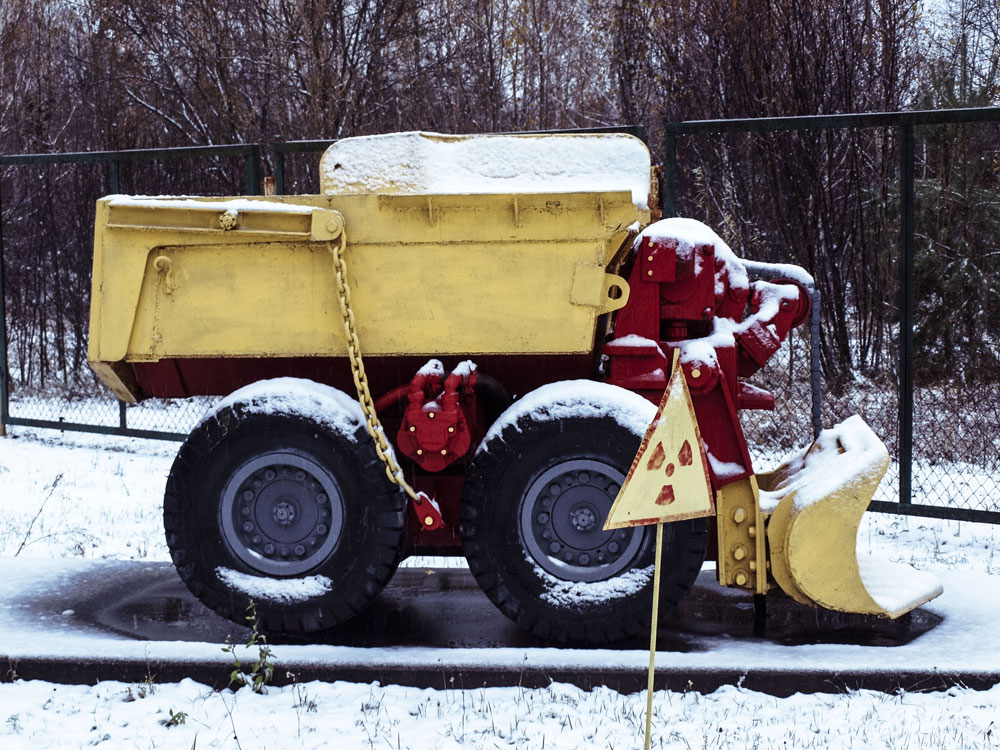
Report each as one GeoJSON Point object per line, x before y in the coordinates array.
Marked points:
{"type": "Point", "coordinates": [669, 478]}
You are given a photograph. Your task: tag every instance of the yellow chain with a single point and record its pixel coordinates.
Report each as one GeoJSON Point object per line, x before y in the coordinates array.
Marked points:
{"type": "Point", "coordinates": [374, 427]}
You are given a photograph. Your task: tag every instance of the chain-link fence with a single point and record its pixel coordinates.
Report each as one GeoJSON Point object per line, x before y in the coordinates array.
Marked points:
{"type": "Point", "coordinates": [933, 398]}
{"type": "Point", "coordinates": [897, 216]}
{"type": "Point", "coordinates": [46, 249]}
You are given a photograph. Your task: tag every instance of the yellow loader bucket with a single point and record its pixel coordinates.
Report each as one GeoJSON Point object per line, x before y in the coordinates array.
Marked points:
{"type": "Point", "coordinates": [816, 500]}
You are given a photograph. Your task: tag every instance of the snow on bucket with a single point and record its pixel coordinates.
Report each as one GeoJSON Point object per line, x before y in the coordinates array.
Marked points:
{"type": "Point", "coordinates": [816, 500]}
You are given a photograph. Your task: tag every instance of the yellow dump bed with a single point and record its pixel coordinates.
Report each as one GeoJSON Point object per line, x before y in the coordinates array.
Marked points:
{"type": "Point", "coordinates": [430, 273]}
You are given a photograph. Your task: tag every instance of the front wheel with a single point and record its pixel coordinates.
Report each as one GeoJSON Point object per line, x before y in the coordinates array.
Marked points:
{"type": "Point", "coordinates": [533, 512]}
{"type": "Point", "coordinates": [287, 507]}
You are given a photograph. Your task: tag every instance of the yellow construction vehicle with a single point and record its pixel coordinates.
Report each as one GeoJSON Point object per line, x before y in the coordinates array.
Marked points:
{"type": "Point", "coordinates": [529, 265]}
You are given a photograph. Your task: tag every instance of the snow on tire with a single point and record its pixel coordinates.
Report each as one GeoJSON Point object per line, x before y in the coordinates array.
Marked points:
{"type": "Point", "coordinates": [279, 497]}
{"type": "Point", "coordinates": [533, 509]}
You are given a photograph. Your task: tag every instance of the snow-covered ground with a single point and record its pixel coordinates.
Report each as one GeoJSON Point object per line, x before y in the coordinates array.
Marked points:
{"type": "Point", "coordinates": [71, 495]}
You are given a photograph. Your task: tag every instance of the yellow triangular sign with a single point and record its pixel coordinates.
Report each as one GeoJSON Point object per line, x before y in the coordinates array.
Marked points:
{"type": "Point", "coordinates": [669, 479]}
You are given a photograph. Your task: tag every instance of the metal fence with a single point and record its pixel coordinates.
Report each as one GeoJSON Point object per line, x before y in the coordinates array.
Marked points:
{"type": "Point", "coordinates": [76, 403]}
{"type": "Point", "coordinates": [40, 196]}
{"type": "Point", "coordinates": [945, 441]}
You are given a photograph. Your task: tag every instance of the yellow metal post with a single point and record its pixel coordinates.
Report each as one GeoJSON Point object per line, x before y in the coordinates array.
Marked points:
{"type": "Point", "coordinates": [652, 633]}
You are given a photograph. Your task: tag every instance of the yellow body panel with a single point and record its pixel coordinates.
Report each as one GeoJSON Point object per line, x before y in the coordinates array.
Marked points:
{"type": "Point", "coordinates": [430, 274]}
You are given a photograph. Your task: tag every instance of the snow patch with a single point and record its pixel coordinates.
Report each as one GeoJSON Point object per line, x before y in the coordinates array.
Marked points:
{"type": "Point", "coordinates": [432, 367]}
{"type": "Point", "coordinates": [779, 271]}
{"type": "Point", "coordinates": [635, 341]}
{"type": "Point", "coordinates": [577, 398]}
{"type": "Point", "coordinates": [897, 587]}
{"type": "Point", "coordinates": [184, 202]}
{"type": "Point", "coordinates": [297, 397]}
{"type": "Point", "coordinates": [689, 233]}
{"type": "Point", "coordinates": [432, 163]}
{"type": "Point", "coordinates": [723, 469]}
{"type": "Point", "coordinates": [285, 590]}
{"type": "Point", "coordinates": [577, 595]}
{"type": "Point", "coordinates": [701, 352]}
{"type": "Point", "coordinates": [839, 459]}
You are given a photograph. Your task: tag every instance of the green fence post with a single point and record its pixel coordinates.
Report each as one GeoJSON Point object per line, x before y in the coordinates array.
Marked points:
{"type": "Point", "coordinates": [252, 160]}
{"type": "Point", "coordinates": [4, 392]}
{"type": "Point", "coordinates": [669, 196]}
{"type": "Point", "coordinates": [906, 314]}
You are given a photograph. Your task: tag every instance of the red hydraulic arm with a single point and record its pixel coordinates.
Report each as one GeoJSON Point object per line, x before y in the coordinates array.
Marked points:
{"type": "Point", "coordinates": [690, 292]}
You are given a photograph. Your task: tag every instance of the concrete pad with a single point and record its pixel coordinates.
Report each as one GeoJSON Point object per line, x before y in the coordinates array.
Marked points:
{"type": "Point", "coordinates": [85, 621]}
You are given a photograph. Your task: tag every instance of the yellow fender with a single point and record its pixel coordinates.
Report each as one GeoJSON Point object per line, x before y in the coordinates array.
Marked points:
{"type": "Point", "coordinates": [816, 500]}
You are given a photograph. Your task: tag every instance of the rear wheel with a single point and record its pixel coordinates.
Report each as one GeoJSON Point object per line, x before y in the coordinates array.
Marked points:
{"type": "Point", "coordinates": [534, 507]}
{"type": "Point", "coordinates": [292, 511]}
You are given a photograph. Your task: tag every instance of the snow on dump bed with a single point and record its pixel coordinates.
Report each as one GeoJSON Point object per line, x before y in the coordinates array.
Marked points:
{"type": "Point", "coordinates": [180, 201]}
{"type": "Point", "coordinates": [431, 163]}
{"type": "Point", "coordinates": [297, 397]}
{"type": "Point", "coordinates": [577, 398]}
{"type": "Point", "coordinates": [841, 457]}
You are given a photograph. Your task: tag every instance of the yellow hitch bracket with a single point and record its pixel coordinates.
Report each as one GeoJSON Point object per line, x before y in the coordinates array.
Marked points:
{"type": "Point", "coordinates": [593, 287]}
{"type": "Point", "coordinates": [741, 537]}
{"type": "Point", "coordinates": [327, 225]}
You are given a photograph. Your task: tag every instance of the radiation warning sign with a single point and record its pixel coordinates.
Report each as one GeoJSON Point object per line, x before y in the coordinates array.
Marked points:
{"type": "Point", "coordinates": [669, 479]}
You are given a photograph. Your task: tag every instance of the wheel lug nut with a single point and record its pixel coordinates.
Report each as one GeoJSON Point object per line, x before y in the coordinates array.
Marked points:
{"type": "Point", "coordinates": [555, 490]}
{"type": "Point", "coordinates": [613, 547]}
{"type": "Point", "coordinates": [244, 511]}
{"type": "Point", "coordinates": [300, 550]}
{"type": "Point", "coordinates": [613, 489]}
{"type": "Point", "coordinates": [568, 557]}
{"type": "Point", "coordinates": [543, 518]}
{"type": "Point", "coordinates": [321, 499]}
{"type": "Point", "coordinates": [584, 559]}
{"type": "Point", "coordinates": [268, 549]}
{"type": "Point", "coordinates": [300, 475]}
{"type": "Point", "coordinates": [554, 547]}
{"type": "Point", "coordinates": [257, 483]}
{"type": "Point", "coordinates": [583, 477]}
{"type": "Point", "coordinates": [248, 495]}
{"type": "Point", "coordinates": [269, 475]}
{"type": "Point", "coordinates": [321, 529]}
{"type": "Point", "coordinates": [248, 527]}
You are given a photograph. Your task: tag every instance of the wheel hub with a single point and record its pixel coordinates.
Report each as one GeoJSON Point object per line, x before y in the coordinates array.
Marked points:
{"type": "Point", "coordinates": [277, 515]}
{"type": "Point", "coordinates": [583, 519]}
{"type": "Point", "coordinates": [562, 516]}
{"type": "Point", "coordinates": [284, 512]}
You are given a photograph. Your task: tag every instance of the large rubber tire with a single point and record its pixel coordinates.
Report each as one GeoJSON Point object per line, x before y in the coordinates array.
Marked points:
{"type": "Point", "coordinates": [319, 497]}
{"type": "Point", "coordinates": [539, 489]}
